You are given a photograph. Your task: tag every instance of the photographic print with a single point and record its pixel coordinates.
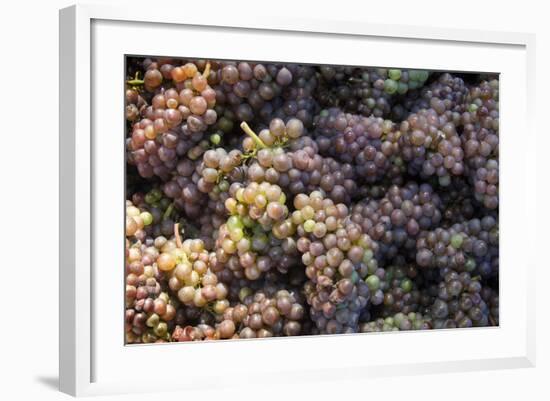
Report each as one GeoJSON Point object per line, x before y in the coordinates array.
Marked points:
{"type": "Point", "coordinates": [269, 199]}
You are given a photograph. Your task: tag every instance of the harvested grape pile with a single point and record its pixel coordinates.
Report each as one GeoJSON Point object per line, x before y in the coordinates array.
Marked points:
{"type": "Point", "coordinates": [281, 200]}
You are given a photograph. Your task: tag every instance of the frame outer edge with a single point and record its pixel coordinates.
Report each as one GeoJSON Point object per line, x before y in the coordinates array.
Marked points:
{"type": "Point", "coordinates": [74, 202]}
{"type": "Point", "coordinates": [67, 125]}
{"type": "Point", "coordinates": [352, 26]}
{"type": "Point", "coordinates": [75, 339]}
{"type": "Point", "coordinates": [531, 346]}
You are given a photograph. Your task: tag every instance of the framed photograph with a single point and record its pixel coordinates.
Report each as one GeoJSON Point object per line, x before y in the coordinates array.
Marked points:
{"type": "Point", "coordinates": [297, 208]}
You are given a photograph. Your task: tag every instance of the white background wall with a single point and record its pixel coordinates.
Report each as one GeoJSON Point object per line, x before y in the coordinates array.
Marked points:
{"type": "Point", "coordinates": [29, 199]}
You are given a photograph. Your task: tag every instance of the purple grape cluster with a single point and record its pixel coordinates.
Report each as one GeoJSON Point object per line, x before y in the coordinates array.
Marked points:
{"type": "Point", "coordinates": [259, 92]}
{"type": "Point", "coordinates": [470, 247]}
{"type": "Point", "coordinates": [480, 141]}
{"type": "Point", "coordinates": [398, 218]}
{"type": "Point", "coordinates": [369, 144]}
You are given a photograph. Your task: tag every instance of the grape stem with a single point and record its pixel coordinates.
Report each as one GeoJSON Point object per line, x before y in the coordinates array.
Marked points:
{"type": "Point", "coordinates": [248, 131]}
{"type": "Point", "coordinates": [221, 176]}
{"type": "Point", "coordinates": [209, 307]}
{"type": "Point", "coordinates": [206, 71]}
{"type": "Point", "coordinates": [177, 235]}
{"type": "Point", "coordinates": [136, 81]}
{"type": "Point", "coordinates": [168, 211]}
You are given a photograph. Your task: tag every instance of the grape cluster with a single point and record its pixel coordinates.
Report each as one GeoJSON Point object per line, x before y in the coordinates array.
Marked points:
{"type": "Point", "coordinates": [459, 302]}
{"type": "Point", "coordinates": [369, 144]}
{"type": "Point", "coordinates": [252, 242]}
{"type": "Point", "coordinates": [281, 155]}
{"type": "Point", "coordinates": [446, 95]}
{"type": "Point", "coordinates": [399, 217]}
{"type": "Point", "coordinates": [135, 104]}
{"type": "Point", "coordinates": [337, 256]}
{"type": "Point", "coordinates": [149, 309]}
{"type": "Point", "coordinates": [470, 247]}
{"type": "Point", "coordinates": [366, 91]}
{"type": "Point", "coordinates": [398, 322]}
{"type": "Point", "coordinates": [280, 199]}
{"type": "Point", "coordinates": [268, 316]}
{"type": "Point", "coordinates": [480, 141]}
{"type": "Point", "coordinates": [174, 119]}
{"type": "Point", "coordinates": [400, 287]}
{"type": "Point", "coordinates": [162, 211]}
{"type": "Point", "coordinates": [259, 314]}
{"type": "Point", "coordinates": [259, 92]}
{"type": "Point", "coordinates": [184, 184]}
{"type": "Point", "coordinates": [431, 146]}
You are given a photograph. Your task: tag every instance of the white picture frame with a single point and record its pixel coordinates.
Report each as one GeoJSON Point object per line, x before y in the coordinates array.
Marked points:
{"type": "Point", "coordinates": [92, 46]}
